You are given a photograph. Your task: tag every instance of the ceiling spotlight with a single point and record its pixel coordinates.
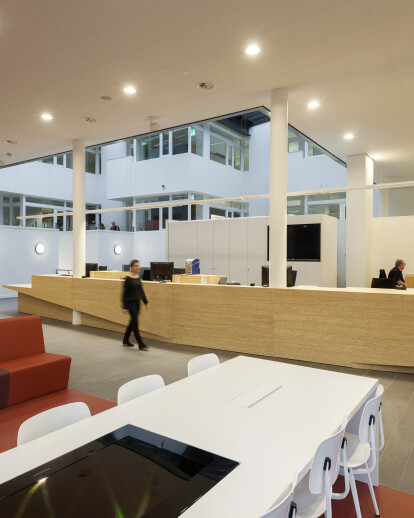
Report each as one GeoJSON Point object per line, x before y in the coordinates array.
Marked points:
{"type": "Point", "coordinates": [117, 249]}
{"type": "Point", "coordinates": [376, 157]}
{"type": "Point", "coordinates": [252, 50]}
{"type": "Point", "coordinates": [348, 136]}
{"type": "Point", "coordinates": [39, 248]}
{"type": "Point", "coordinates": [106, 98]}
{"type": "Point", "coordinates": [313, 104]}
{"type": "Point", "coordinates": [47, 116]}
{"type": "Point", "coordinates": [10, 142]}
{"type": "Point", "coordinates": [88, 119]}
{"type": "Point", "coordinates": [130, 90]}
{"type": "Point", "coordinates": [184, 73]}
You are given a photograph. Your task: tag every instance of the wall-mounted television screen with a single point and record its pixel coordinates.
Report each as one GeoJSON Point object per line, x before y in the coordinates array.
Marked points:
{"type": "Point", "coordinates": [304, 242]}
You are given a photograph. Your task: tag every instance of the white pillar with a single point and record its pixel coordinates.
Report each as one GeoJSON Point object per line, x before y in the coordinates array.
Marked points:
{"type": "Point", "coordinates": [278, 188]}
{"type": "Point", "coordinates": [79, 225]}
{"type": "Point", "coordinates": [359, 215]}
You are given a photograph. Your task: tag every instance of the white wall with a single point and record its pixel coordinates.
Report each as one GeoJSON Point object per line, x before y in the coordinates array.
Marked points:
{"type": "Point", "coordinates": [99, 248]}
{"type": "Point", "coordinates": [237, 248]}
{"type": "Point", "coordinates": [177, 173]}
{"type": "Point", "coordinates": [148, 246]}
{"type": "Point", "coordinates": [391, 240]}
{"type": "Point", "coordinates": [18, 259]}
{"type": "Point", "coordinates": [46, 181]}
{"type": "Point", "coordinates": [401, 201]}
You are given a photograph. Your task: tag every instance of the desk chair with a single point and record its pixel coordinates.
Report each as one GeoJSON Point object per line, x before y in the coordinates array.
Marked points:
{"type": "Point", "coordinates": [284, 509]}
{"type": "Point", "coordinates": [139, 387]}
{"type": "Point", "coordinates": [363, 447]}
{"type": "Point", "coordinates": [52, 420]}
{"type": "Point", "coordinates": [200, 363]}
{"type": "Point", "coordinates": [313, 494]}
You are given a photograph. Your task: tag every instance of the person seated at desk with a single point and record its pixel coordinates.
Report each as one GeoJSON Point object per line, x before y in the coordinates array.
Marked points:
{"type": "Point", "coordinates": [396, 272]}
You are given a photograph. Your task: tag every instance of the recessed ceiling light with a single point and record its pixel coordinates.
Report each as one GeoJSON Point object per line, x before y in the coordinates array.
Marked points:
{"type": "Point", "coordinates": [348, 136]}
{"type": "Point", "coordinates": [47, 116]}
{"type": "Point", "coordinates": [313, 104]}
{"type": "Point", "coordinates": [130, 90]}
{"type": "Point", "coordinates": [376, 157]}
{"type": "Point", "coordinates": [252, 50]}
{"type": "Point", "coordinates": [88, 119]}
{"type": "Point", "coordinates": [10, 142]}
{"type": "Point", "coordinates": [184, 73]}
{"type": "Point", "coordinates": [106, 98]}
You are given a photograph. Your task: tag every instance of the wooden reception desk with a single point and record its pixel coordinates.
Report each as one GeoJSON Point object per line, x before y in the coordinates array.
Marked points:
{"type": "Point", "coordinates": [356, 327]}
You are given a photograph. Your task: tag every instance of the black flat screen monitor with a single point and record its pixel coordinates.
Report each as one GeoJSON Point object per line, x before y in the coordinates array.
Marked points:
{"type": "Point", "coordinates": [129, 473]}
{"type": "Point", "coordinates": [304, 242]}
{"type": "Point", "coordinates": [145, 274]}
{"type": "Point", "coordinates": [387, 284]}
{"type": "Point", "coordinates": [290, 276]}
{"type": "Point", "coordinates": [90, 267]}
{"type": "Point", "coordinates": [162, 271]}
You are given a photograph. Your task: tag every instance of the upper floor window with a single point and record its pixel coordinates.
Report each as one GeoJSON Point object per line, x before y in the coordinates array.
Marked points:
{"type": "Point", "coordinates": [180, 141]}
{"type": "Point", "coordinates": [148, 147]}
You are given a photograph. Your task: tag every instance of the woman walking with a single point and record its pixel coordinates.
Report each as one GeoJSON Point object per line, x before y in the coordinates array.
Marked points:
{"type": "Point", "coordinates": [131, 299]}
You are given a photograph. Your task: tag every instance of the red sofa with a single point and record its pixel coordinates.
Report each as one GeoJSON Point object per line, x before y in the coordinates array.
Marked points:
{"type": "Point", "coordinates": [26, 370]}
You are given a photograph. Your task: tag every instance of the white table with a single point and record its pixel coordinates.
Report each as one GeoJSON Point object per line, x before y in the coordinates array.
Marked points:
{"type": "Point", "coordinates": [274, 438]}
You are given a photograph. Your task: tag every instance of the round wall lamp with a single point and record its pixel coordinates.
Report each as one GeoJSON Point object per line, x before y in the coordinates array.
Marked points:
{"type": "Point", "coordinates": [39, 248]}
{"type": "Point", "coordinates": [117, 249]}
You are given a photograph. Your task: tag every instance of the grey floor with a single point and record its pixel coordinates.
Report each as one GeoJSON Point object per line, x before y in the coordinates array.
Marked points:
{"type": "Point", "coordinates": [100, 365]}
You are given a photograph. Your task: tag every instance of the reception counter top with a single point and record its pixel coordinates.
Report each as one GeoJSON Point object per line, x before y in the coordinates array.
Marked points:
{"type": "Point", "coordinates": [353, 327]}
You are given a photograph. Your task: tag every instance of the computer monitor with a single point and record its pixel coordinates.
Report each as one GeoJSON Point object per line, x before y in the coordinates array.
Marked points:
{"type": "Point", "coordinates": [103, 268]}
{"type": "Point", "coordinates": [126, 267]}
{"type": "Point", "coordinates": [387, 284]}
{"type": "Point", "coordinates": [179, 271]}
{"type": "Point", "coordinates": [145, 274]}
{"type": "Point", "coordinates": [290, 276]}
{"type": "Point", "coordinates": [90, 267]}
{"type": "Point", "coordinates": [161, 271]}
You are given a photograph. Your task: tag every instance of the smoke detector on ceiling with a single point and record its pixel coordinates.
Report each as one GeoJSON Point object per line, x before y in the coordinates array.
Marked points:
{"type": "Point", "coordinates": [206, 85]}
{"type": "Point", "coordinates": [11, 142]}
{"type": "Point", "coordinates": [88, 119]}
{"type": "Point", "coordinates": [106, 98]}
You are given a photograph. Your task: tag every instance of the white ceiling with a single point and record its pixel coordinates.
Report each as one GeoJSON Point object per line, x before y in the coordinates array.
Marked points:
{"type": "Point", "coordinates": [60, 56]}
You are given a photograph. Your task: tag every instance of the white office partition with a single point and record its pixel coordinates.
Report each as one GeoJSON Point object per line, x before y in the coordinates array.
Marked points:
{"type": "Point", "coordinates": [205, 246]}
{"type": "Point", "coordinates": [237, 248]}
{"type": "Point", "coordinates": [221, 243]}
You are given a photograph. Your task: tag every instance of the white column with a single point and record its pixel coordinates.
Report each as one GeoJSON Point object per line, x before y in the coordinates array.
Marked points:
{"type": "Point", "coordinates": [359, 215]}
{"type": "Point", "coordinates": [79, 225]}
{"type": "Point", "coordinates": [278, 188]}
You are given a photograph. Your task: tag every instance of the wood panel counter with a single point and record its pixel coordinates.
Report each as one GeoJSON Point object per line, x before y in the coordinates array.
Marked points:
{"type": "Point", "coordinates": [357, 327]}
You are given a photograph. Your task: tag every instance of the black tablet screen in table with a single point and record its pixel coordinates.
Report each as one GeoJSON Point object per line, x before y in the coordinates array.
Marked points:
{"type": "Point", "coordinates": [126, 477]}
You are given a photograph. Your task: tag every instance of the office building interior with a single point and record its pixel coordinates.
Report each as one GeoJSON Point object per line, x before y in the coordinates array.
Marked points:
{"type": "Point", "coordinates": [256, 158]}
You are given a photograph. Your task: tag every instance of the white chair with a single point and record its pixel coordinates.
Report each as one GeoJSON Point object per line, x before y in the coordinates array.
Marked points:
{"type": "Point", "coordinates": [284, 508]}
{"type": "Point", "coordinates": [200, 363]}
{"type": "Point", "coordinates": [314, 492]}
{"type": "Point", "coordinates": [363, 449]}
{"type": "Point", "coordinates": [139, 387]}
{"type": "Point", "coordinates": [52, 420]}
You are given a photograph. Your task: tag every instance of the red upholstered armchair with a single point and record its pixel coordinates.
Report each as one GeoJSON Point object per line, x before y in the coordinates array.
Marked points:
{"type": "Point", "coordinates": [26, 370]}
